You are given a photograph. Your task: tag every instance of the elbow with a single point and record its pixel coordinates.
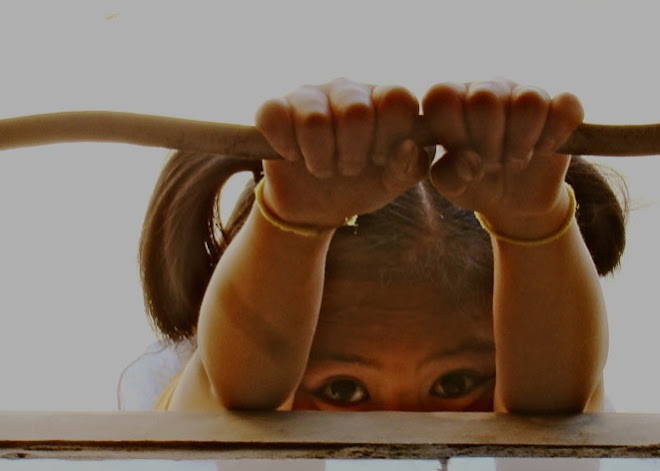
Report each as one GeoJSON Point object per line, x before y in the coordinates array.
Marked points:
{"type": "Point", "coordinates": [233, 390]}
{"type": "Point", "coordinates": [242, 405]}
{"type": "Point", "coordinates": [241, 395]}
{"type": "Point", "coordinates": [569, 397]}
{"type": "Point", "coordinates": [248, 402]}
{"type": "Point", "coordinates": [547, 406]}
{"type": "Point", "coordinates": [565, 385]}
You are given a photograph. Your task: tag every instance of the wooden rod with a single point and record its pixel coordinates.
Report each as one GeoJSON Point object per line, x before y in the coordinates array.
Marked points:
{"type": "Point", "coordinates": [248, 142]}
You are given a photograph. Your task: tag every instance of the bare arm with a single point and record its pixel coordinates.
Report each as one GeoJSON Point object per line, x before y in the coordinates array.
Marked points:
{"type": "Point", "coordinates": [344, 154]}
{"type": "Point", "coordinates": [550, 325]}
{"type": "Point", "coordinates": [503, 161]}
{"type": "Point", "coordinates": [259, 313]}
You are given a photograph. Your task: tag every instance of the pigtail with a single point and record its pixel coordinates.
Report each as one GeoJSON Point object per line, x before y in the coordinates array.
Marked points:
{"type": "Point", "coordinates": [183, 238]}
{"type": "Point", "coordinates": [601, 214]}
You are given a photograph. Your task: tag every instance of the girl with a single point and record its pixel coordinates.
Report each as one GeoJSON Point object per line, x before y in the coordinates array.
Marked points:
{"type": "Point", "coordinates": [466, 283]}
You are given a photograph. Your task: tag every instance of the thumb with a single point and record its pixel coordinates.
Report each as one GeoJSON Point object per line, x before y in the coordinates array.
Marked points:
{"type": "Point", "coordinates": [407, 166]}
{"type": "Point", "coordinates": [455, 171]}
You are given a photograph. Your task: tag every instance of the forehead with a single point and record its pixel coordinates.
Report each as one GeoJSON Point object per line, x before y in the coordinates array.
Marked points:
{"type": "Point", "coordinates": [357, 311]}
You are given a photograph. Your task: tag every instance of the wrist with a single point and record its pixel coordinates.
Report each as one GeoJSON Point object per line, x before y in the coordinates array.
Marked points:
{"type": "Point", "coordinates": [533, 229]}
{"type": "Point", "coordinates": [294, 227]}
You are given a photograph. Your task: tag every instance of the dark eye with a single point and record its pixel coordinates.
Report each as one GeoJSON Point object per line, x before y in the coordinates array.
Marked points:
{"type": "Point", "coordinates": [343, 391]}
{"type": "Point", "coordinates": [456, 384]}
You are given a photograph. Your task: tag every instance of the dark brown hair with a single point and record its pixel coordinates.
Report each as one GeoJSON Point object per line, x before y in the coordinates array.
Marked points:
{"type": "Point", "coordinates": [418, 236]}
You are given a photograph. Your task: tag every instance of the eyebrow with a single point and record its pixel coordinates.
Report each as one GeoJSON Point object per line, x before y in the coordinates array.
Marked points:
{"type": "Point", "coordinates": [471, 345]}
{"type": "Point", "coordinates": [340, 357]}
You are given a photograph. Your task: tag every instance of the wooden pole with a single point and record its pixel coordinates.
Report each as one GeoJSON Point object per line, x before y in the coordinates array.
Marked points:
{"type": "Point", "coordinates": [248, 142]}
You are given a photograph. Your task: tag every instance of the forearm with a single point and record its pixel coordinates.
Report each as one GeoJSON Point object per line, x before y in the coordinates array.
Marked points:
{"type": "Point", "coordinates": [550, 325]}
{"type": "Point", "coordinates": [259, 314]}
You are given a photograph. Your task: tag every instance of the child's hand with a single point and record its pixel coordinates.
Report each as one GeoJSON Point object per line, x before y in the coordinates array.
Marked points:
{"type": "Point", "coordinates": [345, 148]}
{"type": "Point", "coordinates": [502, 140]}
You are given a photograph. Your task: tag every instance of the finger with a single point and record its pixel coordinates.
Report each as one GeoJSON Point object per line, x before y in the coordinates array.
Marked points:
{"type": "Point", "coordinates": [443, 109]}
{"type": "Point", "coordinates": [353, 114]}
{"type": "Point", "coordinates": [564, 115]}
{"type": "Point", "coordinates": [452, 174]}
{"type": "Point", "coordinates": [274, 121]}
{"type": "Point", "coordinates": [548, 168]}
{"type": "Point", "coordinates": [396, 111]}
{"type": "Point", "coordinates": [406, 166]}
{"type": "Point", "coordinates": [486, 105]}
{"type": "Point", "coordinates": [528, 110]}
{"type": "Point", "coordinates": [314, 131]}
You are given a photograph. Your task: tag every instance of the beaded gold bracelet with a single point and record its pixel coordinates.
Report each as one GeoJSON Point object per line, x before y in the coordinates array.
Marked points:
{"type": "Point", "coordinates": [298, 229]}
{"type": "Point", "coordinates": [543, 240]}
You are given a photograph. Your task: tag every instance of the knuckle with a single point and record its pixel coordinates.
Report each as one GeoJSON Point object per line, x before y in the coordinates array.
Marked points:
{"type": "Point", "coordinates": [273, 105]}
{"type": "Point", "coordinates": [351, 100]}
{"type": "Point", "coordinates": [314, 120]}
{"type": "Point", "coordinates": [399, 99]}
{"type": "Point", "coordinates": [351, 92]}
{"type": "Point", "coordinates": [439, 94]}
{"type": "Point", "coordinates": [269, 111]}
{"type": "Point", "coordinates": [529, 91]}
{"type": "Point", "coordinates": [355, 111]}
{"type": "Point", "coordinates": [398, 94]}
{"type": "Point", "coordinates": [486, 93]}
{"type": "Point", "coordinates": [525, 97]}
{"type": "Point", "coordinates": [308, 96]}
{"type": "Point", "coordinates": [570, 107]}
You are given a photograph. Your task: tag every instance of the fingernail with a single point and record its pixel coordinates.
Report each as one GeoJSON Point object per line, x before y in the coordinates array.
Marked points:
{"type": "Point", "coordinates": [408, 146]}
{"type": "Point", "coordinates": [519, 161]}
{"type": "Point", "coordinates": [469, 166]}
{"type": "Point", "coordinates": [321, 173]}
{"type": "Point", "coordinates": [401, 163]}
{"type": "Point", "coordinates": [410, 150]}
{"type": "Point", "coordinates": [351, 169]}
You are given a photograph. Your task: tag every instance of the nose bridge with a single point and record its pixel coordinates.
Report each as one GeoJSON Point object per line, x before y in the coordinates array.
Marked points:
{"type": "Point", "coordinates": [405, 402]}
{"type": "Point", "coordinates": [405, 405]}
{"type": "Point", "coordinates": [401, 392]}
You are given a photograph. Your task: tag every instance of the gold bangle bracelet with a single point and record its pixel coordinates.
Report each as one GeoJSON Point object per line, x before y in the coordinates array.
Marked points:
{"type": "Point", "coordinates": [298, 229]}
{"type": "Point", "coordinates": [563, 229]}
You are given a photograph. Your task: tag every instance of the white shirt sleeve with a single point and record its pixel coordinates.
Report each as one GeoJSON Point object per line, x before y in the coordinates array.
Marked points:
{"type": "Point", "coordinates": [142, 382]}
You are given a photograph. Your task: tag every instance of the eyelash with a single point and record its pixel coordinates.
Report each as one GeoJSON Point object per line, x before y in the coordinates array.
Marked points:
{"type": "Point", "coordinates": [444, 387]}
{"type": "Point", "coordinates": [470, 381]}
{"type": "Point", "coordinates": [326, 393]}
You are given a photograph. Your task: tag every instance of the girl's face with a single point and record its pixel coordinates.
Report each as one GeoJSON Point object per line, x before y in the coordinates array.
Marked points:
{"type": "Point", "coordinates": [397, 347]}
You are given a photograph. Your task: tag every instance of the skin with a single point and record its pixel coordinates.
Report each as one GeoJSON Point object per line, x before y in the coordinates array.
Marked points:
{"type": "Point", "coordinates": [436, 357]}
{"type": "Point", "coordinates": [346, 152]}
